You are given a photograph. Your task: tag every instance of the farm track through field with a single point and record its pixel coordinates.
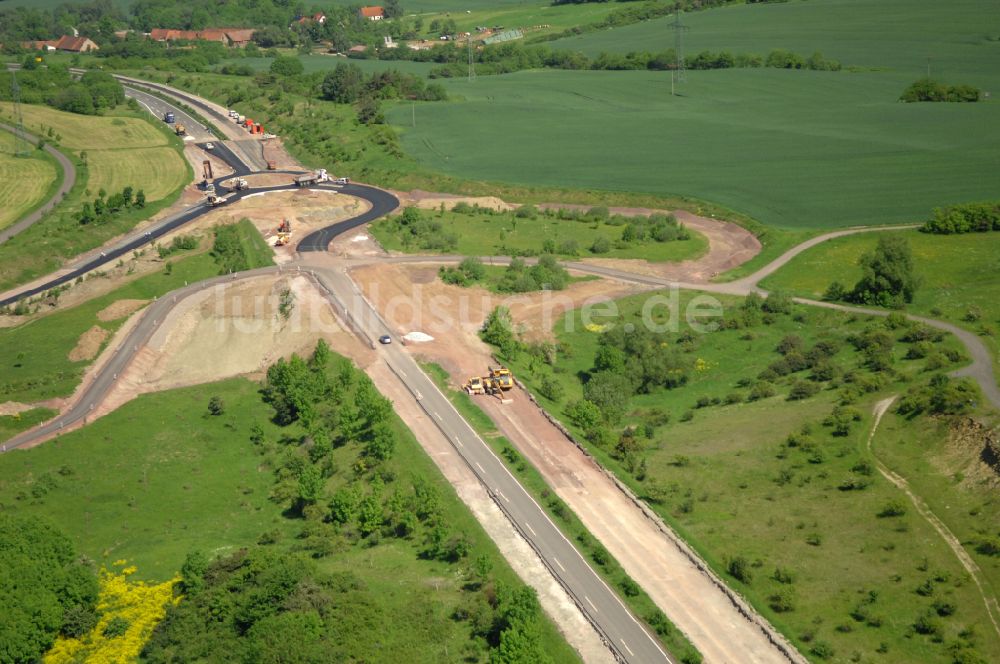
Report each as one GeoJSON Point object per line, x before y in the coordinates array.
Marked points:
{"type": "Point", "coordinates": [68, 180]}
{"type": "Point", "coordinates": [992, 608]}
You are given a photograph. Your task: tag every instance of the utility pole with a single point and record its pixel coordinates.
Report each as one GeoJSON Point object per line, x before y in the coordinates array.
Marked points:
{"type": "Point", "coordinates": [678, 29]}
{"type": "Point", "coordinates": [472, 62]}
{"type": "Point", "coordinates": [21, 147]}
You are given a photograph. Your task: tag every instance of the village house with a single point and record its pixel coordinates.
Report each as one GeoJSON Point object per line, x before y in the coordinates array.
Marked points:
{"type": "Point", "coordinates": [372, 13]}
{"type": "Point", "coordinates": [64, 43]}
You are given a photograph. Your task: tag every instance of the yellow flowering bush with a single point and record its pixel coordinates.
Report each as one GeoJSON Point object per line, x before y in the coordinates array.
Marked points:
{"type": "Point", "coordinates": [594, 327]}
{"type": "Point", "coordinates": [129, 610]}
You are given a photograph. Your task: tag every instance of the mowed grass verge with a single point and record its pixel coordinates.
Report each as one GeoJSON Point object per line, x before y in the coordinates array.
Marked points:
{"type": "Point", "coordinates": [25, 182]}
{"type": "Point", "coordinates": [960, 276]}
{"type": "Point", "coordinates": [799, 513]}
{"type": "Point", "coordinates": [793, 149]}
{"type": "Point", "coordinates": [106, 486]}
{"type": "Point", "coordinates": [110, 153]}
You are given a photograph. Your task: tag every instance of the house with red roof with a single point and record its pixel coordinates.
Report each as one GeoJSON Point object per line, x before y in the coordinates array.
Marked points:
{"type": "Point", "coordinates": [372, 13]}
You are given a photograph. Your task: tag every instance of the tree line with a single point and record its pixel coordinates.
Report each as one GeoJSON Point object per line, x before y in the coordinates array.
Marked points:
{"type": "Point", "coordinates": [94, 93]}
{"type": "Point", "coordinates": [964, 218]}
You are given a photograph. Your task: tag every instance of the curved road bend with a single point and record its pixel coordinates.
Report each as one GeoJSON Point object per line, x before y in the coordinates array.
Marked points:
{"type": "Point", "coordinates": [69, 179]}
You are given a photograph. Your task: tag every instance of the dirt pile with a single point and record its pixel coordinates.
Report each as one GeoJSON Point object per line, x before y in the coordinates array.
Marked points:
{"type": "Point", "coordinates": [974, 450]}
{"type": "Point", "coordinates": [89, 344]}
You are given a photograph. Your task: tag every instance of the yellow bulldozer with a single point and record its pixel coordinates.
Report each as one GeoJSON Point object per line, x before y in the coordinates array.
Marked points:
{"type": "Point", "coordinates": [499, 381]}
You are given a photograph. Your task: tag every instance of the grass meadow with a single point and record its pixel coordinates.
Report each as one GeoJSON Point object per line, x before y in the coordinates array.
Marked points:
{"type": "Point", "coordinates": [25, 182]}
{"type": "Point", "coordinates": [841, 582]}
{"type": "Point", "coordinates": [960, 276]}
{"type": "Point", "coordinates": [160, 477]}
{"type": "Point", "coordinates": [504, 234]}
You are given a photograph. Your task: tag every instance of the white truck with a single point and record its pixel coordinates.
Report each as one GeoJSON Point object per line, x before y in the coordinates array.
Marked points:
{"type": "Point", "coordinates": [310, 179]}
{"type": "Point", "coordinates": [215, 200]}
{"type": "Point", "coordinates": [240, 183]}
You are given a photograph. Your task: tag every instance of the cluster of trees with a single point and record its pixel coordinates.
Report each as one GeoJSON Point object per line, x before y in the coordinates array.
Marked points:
{"type": "Point", "coordinates": [46, 589]}
{"type": "Point", "coordinates": [105, 207]}
{"type": "Point", "coordinates": [655, 227]}
{"type": "Point", "coordinates": [259, 605]}
{"type": "Point", "coordinates": [416, 228]}
{"type": "Point", "coordinates": [927, 89]}
{"type": "Point", "coordinates": [941, 395]}
{"type": "Point", "coordinates": [229, 250]}
{"type": "Point", "coordinates": [269, 603]}
{"type": "Point", "coordinates": [347, 84]}
{"type": "Point", "coordinates": [470, 271]}
{"type": "Point", "coordinates": [964, 218]}
{"type": "Point", "coordinates": [546, 274]}
{"type": "Point", "coordinates": [98, 19]}
{"type": "Point", "coordinates": [630, 360]}
{"type": "Point", "coordinates": [95, 92]}
{"type": "Point", "coordinates": [888, 278]}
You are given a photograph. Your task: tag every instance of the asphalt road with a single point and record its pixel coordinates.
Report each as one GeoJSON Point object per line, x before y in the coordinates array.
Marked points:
{"type": "Point", "coordinates": [69, 179]}
{"type": "Point", "coordinates": [621, 631]}
{"type": "Point", "coordinates": [158, 107]}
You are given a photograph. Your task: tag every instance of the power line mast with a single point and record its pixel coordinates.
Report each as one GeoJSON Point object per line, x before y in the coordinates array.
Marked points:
{"type": "Point", "coordinates": [677, 73]}
{"type": "Point", "coordinates": [21, 146]}
{"type": "Point", "coordinates": [472, 60]}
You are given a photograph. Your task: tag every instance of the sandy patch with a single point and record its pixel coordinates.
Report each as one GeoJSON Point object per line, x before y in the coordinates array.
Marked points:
{"type": "Point", "coordinates": [89, 344]}
{"type": "Point", "coordinates": [235, 330]}
{"type": "Point", "coordinates": [446, 312]}
{"type": "Point", "coordinates": [197, 158]}
{"type": "Point", "coordinates": [274, 150]}
{"type": "Point", "coordinates": [432, 201]}
{"type": "Point", "coordinates": [357, 244]}
{"type": "Point", "coordinates": [120, 309]}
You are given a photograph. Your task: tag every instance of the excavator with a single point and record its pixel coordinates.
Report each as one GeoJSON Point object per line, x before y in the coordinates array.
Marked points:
{"type": "Point", "coordinates": [499, 381]}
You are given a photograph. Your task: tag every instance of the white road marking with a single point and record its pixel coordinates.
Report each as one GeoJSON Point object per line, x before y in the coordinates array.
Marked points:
{"type": "Point", "coordinates": [437, 416]}
{"type": "Point", "coordinates": [500, 493]}
{"type": "Point", "coordinates": [594, 606]}
{"type": "Point", "coordinates": [627, 648]}
{"type": "Point", "coordinates": [528, 526]}
{"type": "Point", "coordinates": [480, 467]}
{"type": "Point", "coordinates": [561, 566]}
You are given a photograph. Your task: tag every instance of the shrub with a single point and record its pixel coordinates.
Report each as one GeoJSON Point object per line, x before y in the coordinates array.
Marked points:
{"type": "Point", "coordinates": [600, 246]}
{"type": "Point", "coordinates": [893, 508]}
{"type": "Point", "coordinates": [739, 568]}
{"type": "Point", "coordinates": [802, 389]}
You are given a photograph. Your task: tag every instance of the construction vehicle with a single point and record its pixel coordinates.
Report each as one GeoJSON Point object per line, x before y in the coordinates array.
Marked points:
{"type": "Point", "coordinates": [481, 385]}
{"type": "Point", "coordinates": [312, 178]}
{"type": "Point", "coordinates": [209, 188]}
{"type": "Point", "coordinates": [499, 381]}
{"type": "Point", "coordinates": [179, 129]}
{"type": "Point", "coordinates": [206, 170]}
{"type": "Point", "coordinates": [240, 119]}
{"type": "Point", "coordinates": [271, 166]}
{"type": "Point", "coordinates": [240, 183]}
{"type": "Point", "coordinates": [284, 233]}
{"type": "Point", "coordinates": [214, 200]}
{"type": "Point", "coordinates": [502, 377]}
